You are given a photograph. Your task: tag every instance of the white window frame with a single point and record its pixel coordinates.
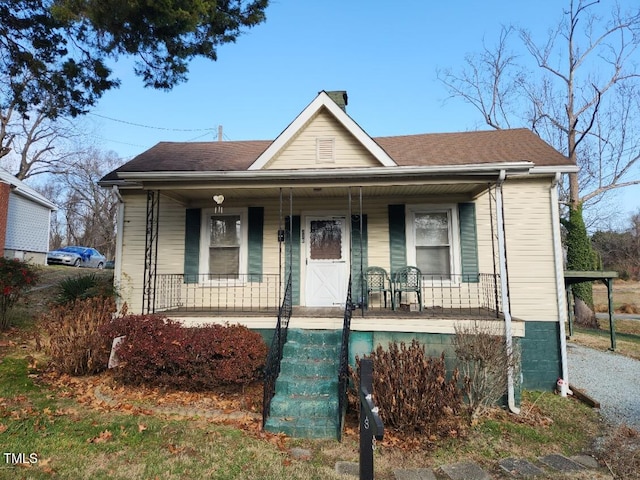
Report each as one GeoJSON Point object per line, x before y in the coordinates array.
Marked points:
{"type": "Point", "coordinates": [454, 236]}
{"type": "Point", "coordinates": [204, 246]}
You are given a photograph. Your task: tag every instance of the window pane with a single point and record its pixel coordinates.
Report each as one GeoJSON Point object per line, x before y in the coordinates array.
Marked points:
{"type": "Point", "coordinates": [326, 240]}
{"type": "Point", "coordinates": [224, 244]}
{"type": "Point", "coordinates": [225, 230]}
{"type": "Point", "coordinates": [224, 261]}
{"type": "Point", "coordinates": [433, 260]}
{"type": "Point", "coordinates": [432, 228]}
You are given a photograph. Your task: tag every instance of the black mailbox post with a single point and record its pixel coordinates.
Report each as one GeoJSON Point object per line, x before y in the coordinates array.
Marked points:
{"type": "Point", "coordinates": [370, 422]}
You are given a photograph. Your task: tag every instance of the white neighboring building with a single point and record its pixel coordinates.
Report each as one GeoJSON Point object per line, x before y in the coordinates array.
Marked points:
{"type": "Point", "coordinates": [25, 220]}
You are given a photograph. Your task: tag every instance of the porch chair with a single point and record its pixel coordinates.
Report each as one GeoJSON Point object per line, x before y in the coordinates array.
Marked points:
{"type": "Point", "coordinates": [407, 279]}
{"type": "Point", "coordinates": [377, 281]}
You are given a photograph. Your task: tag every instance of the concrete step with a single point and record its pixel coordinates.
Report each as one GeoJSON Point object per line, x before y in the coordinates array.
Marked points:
{"type": "Point", "coordinates": [318, 337]}
{"type": "Point", "coordinates": [314, 428]}
{"type": "Point", "coordinates": [306, 401]}
{"type": "Point", "coordinates": [308, 367]}
{"type": "Point", "coordinates": [304, 406]}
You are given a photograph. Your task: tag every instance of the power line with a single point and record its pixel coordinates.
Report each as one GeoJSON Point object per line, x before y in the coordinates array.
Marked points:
{"type": "Point", "coordinates": [153, 128]}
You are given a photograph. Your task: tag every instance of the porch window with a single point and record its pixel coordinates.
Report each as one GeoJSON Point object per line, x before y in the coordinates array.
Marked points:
{"type": "Point", "coordinates": [223, 244]}
{"type": "Point", "coordinates": [433, 240]}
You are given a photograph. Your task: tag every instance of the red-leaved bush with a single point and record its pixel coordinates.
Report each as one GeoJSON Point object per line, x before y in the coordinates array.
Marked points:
{"type": "Point", "coordinates": [160, 352]}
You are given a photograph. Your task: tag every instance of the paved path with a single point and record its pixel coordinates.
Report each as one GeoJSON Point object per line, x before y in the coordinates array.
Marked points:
{"type": "Point", "coordinates": [554, 466]}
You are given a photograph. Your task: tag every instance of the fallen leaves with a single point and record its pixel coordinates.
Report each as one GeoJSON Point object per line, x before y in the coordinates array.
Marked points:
{"type": "Point", "coordinates": [103, 437]}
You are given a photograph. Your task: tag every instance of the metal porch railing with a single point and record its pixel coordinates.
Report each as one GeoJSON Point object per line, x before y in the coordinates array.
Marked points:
{"type": "Point", "coordinates": [218, 293]}
{"type": "Point", "coordinates": [343, 371]}
{"type": "Point", "coordinates": [450, 295]}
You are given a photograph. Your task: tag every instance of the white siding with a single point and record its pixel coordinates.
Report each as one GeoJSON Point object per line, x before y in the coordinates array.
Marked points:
{"type": "Point", "coordinates": [528, 231]}
{"type": "Point", "coordinates": [529, 244]}
{"type": "Point", "coordinates": [27, 225]}
{"type": "Point", "coordinates": [300, 153]}
{"type": "Point", "coordinates": [133, 239]}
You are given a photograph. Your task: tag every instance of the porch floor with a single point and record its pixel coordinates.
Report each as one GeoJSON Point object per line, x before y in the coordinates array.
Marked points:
{"type": "Point", "coordinates": [338, 312]}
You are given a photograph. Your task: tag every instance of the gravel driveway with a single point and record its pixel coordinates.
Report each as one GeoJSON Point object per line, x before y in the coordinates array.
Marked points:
{"type": "Point", "coordinates": [609, 378]}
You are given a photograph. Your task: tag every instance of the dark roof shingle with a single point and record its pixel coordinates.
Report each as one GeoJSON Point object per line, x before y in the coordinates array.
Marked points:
{"type": "Point", "coordinates": [464, 148]}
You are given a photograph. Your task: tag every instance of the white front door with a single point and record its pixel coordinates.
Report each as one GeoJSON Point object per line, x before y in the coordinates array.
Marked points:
{"type": "Point", "coordinates": [327, 266]}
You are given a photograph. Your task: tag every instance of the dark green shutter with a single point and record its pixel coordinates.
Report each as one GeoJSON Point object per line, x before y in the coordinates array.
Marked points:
{"type": "Point", "coordinates": [192, 244]}
{"type": "Point", "coordinates": [358, 255]}
{"type": "Point", "coordinates": [397, 237]}
{"type": "Point", "coordinates": [292, 255]}
{"type": "Point", "coordinates": [468, 242]}
{"type": "Point", "coordinates": [255, 240]}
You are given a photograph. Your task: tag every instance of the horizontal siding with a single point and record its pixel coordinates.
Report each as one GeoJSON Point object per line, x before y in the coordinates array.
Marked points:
{"type": "Point", "coordinates": [27, 225]}
{"type": "Point", "coordinates": [531, 261]}
{"type": "Point", "coordinates": [300, 153]}
{"type": "Point", "coordinates": [133, 239]}
{"type": "Point", "coordinates": [529, 241]}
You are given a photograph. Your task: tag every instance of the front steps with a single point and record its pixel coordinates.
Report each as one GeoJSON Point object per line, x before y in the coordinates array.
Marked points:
{"type": "Point", "coordinates": [306, 401]}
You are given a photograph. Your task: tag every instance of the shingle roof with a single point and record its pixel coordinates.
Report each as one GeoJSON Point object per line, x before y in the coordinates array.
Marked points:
{"type": "Point", "coordinates": [476, 147]}
{"type": "Point", "coordinates": [462, 148]}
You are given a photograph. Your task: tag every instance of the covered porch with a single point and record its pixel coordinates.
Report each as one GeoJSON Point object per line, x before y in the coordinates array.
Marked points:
{"type": "Point", "coordinates": [369, 225]}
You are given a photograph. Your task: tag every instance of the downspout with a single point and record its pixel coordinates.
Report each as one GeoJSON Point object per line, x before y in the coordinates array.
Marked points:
{"type": "Point", "coordinates": [504, 287]}
{"type": "Point", "coordinates": [560, 289]}
{"type": "Point", "coordinates": [117, 272]}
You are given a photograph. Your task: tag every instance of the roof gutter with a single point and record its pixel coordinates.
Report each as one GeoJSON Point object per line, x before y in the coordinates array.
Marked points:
{"type": "Point", "coordinates": [342, 173]}
{"type": "Point", "coordinates": [117, 272]}
{"type": "Point", "coordinates": [504, 287]}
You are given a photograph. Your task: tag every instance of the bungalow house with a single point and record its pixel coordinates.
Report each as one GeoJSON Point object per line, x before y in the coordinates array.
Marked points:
{"type": "Point", "coordinates": [462, 227]}
{"type": "Point", "coordinates": [25, 219]}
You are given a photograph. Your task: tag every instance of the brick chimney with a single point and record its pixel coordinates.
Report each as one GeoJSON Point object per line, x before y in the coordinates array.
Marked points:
{"type": "Point", "coordinates": [340, 97]}
{"type": "Point", "coordinates": [5, 190]}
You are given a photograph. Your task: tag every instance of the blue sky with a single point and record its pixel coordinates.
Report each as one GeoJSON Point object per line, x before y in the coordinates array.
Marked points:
{"type": "Point", "coordinates": [384, 54]}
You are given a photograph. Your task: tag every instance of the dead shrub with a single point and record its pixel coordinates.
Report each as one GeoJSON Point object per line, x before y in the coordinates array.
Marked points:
{"type": "Point", "coordinates": [412, 392]}
{"type": "Point", "coordinates": [628, 308]}
{"type": "Point", "coordinates": [73, 340]}
{"type": "Point", "coordinates": [621, 453]}
{"type": "Point", "coordinates": [483, 360]}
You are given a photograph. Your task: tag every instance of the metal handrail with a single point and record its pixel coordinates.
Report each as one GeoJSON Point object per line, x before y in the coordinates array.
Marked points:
{"type": "Point", "coordinates": [272, 367]}
{"type": "Point", "coordinates": [343, 371]}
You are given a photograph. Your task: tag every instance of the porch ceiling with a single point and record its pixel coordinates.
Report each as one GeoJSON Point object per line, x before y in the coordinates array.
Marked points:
{"type": "Point", "coordinates": [193, 195]}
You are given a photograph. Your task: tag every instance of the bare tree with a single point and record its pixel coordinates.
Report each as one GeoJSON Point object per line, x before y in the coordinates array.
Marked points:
{"type": "Point", "coordinates": [87, 214]}
{"type": "Point", "coordinates": [582, 98]}
{"type": "Point", "coordinates": [34, 144]}
{"type": "Point", "coordinates": [619, 250]}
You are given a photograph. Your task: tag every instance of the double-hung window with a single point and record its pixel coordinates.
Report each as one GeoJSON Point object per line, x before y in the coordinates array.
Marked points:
{"type": "Point", "coordinates": [432, 234]}
{"type": "Point", "coordinates": [223, 244]}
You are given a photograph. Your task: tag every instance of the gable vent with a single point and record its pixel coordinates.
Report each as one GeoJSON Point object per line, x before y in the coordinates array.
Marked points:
{"type": "Point", "coordinates": [325, 150]}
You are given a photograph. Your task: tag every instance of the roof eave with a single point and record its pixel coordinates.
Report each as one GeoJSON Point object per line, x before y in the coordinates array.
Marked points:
{"type": "Point", "coordinates": [483, 169]}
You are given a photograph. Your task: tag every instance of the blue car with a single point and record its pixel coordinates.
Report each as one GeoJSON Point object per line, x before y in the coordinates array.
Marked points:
{"type": "Point", "coordinates": [76, 257]}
